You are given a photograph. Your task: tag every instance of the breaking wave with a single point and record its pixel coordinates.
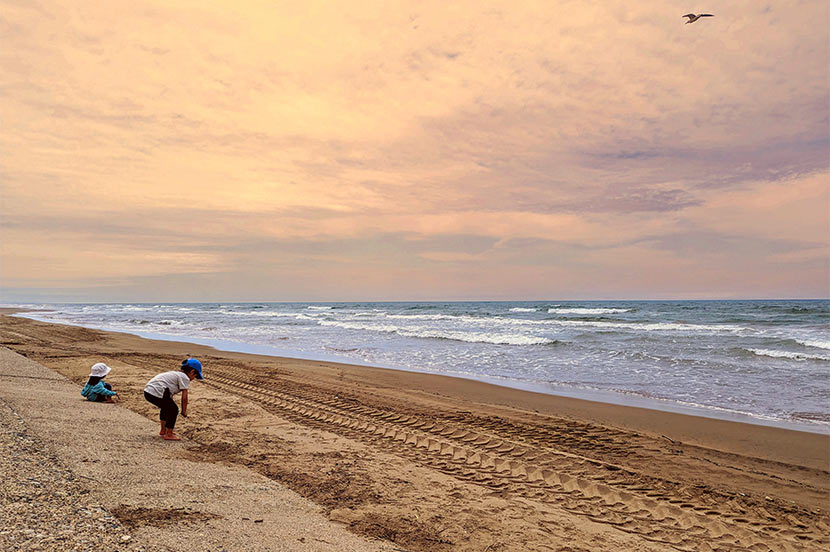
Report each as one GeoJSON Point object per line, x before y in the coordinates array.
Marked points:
{"type": "Point", "coordinates": [787, 354]}
{"type": "Point", "coordinates": [653, 326]}
{"type": "Point", "coordinates": [817, 343]}
{"type": "Point", "coordinates": [455, 335]}
{"type": "Point", "coordinates": [581, 310]}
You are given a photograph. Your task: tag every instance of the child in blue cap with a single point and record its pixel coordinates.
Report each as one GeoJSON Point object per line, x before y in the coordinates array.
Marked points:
{"type": "Point", "coordinates": [95, 389]}
{"type": "Point", "coordinates": [160, 390]}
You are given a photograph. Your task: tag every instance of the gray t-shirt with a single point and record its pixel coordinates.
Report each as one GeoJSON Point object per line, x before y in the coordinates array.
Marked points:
{"type": "Point", "coordinates": [175, 381]}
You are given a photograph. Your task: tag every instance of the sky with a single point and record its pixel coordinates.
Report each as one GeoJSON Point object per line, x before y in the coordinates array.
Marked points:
{"type": "Point", "coordinates": [301, 151]}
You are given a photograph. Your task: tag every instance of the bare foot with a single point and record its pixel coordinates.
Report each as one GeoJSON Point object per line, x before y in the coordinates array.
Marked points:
{"type": "Point", "coordinates": [163, 429]}
{"type": "Point", "coordinates": [171, 437]}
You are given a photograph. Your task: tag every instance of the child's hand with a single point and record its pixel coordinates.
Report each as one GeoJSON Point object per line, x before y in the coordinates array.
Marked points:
{"type": "Point", "coordinates": [184, 414]}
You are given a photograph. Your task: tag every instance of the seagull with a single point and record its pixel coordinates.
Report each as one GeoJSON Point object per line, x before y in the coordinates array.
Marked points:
{"type": "Point", "coordinates": [692, 17]}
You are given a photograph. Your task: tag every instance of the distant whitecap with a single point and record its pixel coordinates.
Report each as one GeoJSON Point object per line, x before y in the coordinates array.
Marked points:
{"type": "Point", "coordinates": [581, 310]}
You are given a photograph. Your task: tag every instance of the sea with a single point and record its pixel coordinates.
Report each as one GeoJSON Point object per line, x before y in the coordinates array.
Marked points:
{"type": "Point", "coordinates": [765, 362]}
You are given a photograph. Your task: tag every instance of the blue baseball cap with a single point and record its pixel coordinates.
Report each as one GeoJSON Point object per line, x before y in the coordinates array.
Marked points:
{"type": "Point", "coordinates": [195, 365]}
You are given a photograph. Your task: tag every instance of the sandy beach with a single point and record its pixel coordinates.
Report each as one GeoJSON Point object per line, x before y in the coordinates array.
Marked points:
{"type": "Point", "coordinates": [463, 276]}
{"type": "Point", "coordinates": [384, 459]}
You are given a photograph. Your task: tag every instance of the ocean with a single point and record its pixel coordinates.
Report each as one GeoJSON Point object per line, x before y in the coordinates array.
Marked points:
{"type": "Point", "coordinates": [754, 361]}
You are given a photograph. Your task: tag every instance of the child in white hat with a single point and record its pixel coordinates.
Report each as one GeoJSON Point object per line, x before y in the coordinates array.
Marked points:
{"type": "Point", "coordinates": [95, 389]}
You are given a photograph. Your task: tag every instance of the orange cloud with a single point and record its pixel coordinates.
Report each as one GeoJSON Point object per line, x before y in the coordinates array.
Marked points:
{"type": "Point", "coordinates": [583, 148]}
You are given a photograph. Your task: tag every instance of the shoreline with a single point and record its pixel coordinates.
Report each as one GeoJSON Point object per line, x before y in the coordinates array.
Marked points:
{"type": "Point", "coordinates": [436, 463]}
{"type": "Point", "coordinates": [678, 426]}
{"type": "Point", "coordinates": [614, 398]}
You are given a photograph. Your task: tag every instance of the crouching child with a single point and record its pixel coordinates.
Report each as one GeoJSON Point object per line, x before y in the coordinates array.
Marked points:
{"type": "Point", "coordinates": [160, 390]}
{"type": "Point", "coordinates": [96, 390]}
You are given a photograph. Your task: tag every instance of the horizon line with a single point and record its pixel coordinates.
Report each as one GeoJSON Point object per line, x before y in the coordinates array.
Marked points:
{"type": "Point", "coordinates": [12, 304]}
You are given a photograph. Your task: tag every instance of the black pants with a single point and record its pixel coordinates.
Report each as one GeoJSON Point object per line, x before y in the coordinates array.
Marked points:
{"type": "Point", "coordinates": [169, 409]}
{"type": "Point", "coordinates": [102, 398]}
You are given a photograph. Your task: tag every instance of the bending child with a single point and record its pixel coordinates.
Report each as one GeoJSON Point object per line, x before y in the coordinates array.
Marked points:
{"type": "Point", "coordinates": [95, 389]}
{"type": "Point", "coordinates": [160, 390]}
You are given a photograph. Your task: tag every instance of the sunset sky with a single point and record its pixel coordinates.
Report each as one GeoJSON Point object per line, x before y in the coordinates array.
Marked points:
{"type": "Point", "coordinates": [200, 151]}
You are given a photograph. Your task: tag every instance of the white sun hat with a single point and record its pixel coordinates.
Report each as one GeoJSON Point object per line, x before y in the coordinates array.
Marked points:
{"type": "Point", "coordinates": [99, 370]}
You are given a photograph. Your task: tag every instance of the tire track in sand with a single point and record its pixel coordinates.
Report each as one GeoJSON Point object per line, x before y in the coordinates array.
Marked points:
{"type": "Point", "coordinates": [553, 478]}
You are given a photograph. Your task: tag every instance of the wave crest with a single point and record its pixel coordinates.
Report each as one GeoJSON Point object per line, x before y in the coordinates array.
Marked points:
{"type": "Point", "coordinates": [787, 354]}
{"type": "Point", "coordinates": [817, 343]}
{"type": "Point", "coordinates": [585, 310]}
{"type": "Point", "coordinates": [454, 335]}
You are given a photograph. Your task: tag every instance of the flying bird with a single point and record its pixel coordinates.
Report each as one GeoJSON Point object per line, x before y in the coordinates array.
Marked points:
{"type": "Point", "coordinates": [692, 17]}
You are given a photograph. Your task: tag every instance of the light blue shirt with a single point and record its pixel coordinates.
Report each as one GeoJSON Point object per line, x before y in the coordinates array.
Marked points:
{"type": "Point", "coordinates": [91, 392]}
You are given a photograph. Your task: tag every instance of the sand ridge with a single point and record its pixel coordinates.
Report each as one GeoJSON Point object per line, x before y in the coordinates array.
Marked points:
{"type": "Point", "coordinates": [435, 470]}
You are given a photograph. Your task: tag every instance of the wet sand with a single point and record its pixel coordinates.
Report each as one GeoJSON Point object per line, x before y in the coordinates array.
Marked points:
{"type": "Point", "coordinates": [438, 463]}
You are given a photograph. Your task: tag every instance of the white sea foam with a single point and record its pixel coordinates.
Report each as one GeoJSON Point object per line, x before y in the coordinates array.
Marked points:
{"type": "Point", "coordinates": [654, 327]}
{"type": "Point", "coordinates": [787, 354]}
{"type": "Point", "coordinates": [818, 343]}
{"type": "Point", "coordinates": [317, 307]}
{"type": "Point", "coordinates": [390, 328]}
{"type": "Point", "coordinates": [269, 314]}
{"type": "Point", "coordinates": [126, 308]}
{"type": "Point", "coordinates": [581, 310]}
{"type": "Point", "coordinates": [171, 323]}
{"type": "Point", "coordinates": [433, 333]}
{"type": "Point", "coordinates": [470, 337]}
{"type": "Point", "coordinates": [458, 318]}
{"type": "Point", "coordinates": [521, 309]}
{"type": "Point", "coordinates": [636, 326]}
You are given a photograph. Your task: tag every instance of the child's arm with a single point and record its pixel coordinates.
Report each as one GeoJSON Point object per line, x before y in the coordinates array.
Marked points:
{"type": "Point", "coordinates": [184, 403]}
{"type": "Point", "coordinates": [101, 390]}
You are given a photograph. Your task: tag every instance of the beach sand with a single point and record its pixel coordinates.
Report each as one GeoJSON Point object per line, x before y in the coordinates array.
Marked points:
{"type": "Point", "coordinates": [426, 462]}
